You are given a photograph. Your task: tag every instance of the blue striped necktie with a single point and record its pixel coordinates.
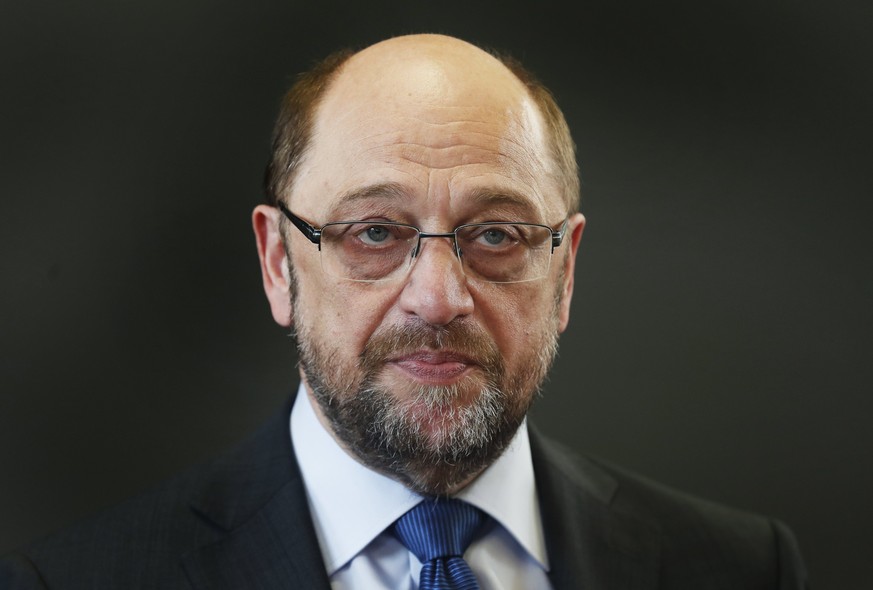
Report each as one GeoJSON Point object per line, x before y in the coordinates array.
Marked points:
{"type": "Point", "coordinates": [438, 532]}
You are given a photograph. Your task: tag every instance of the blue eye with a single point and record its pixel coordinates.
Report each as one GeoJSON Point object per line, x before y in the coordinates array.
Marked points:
{"type": "Point", "coordinates": [494, 236]}
{"type": "Point", "coordinates": [377, 233]}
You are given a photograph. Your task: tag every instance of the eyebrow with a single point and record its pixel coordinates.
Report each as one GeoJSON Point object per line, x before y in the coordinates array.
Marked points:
{"type": "Point", "coordinates": [484, 198]}
{"type": "Point", "coordinates": [504, 199]}
{"type": "Point", "coordinates": [386, 190]}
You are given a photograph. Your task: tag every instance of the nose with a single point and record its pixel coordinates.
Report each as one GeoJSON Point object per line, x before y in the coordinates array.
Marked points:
{"type": "Point", "coordinates": [436, 288]}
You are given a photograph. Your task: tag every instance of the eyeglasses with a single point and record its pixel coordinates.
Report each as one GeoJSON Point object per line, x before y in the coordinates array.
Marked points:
{"type": "Point", "coordinates": [371, 251]}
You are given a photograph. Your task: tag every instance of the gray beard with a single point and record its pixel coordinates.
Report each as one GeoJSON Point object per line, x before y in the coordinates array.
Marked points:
{"type": "Point", "coordinates": [390, 436]}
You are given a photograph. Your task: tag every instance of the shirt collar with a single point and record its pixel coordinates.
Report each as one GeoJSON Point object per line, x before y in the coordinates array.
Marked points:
{"type": "Point", "coordinates": [346, 523]}
{"type": "Point", "coordinates": [507, 492]}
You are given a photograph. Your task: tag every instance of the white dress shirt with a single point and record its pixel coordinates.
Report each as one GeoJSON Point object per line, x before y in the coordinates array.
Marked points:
{"type": "Point", "coordinates": [352, 506]}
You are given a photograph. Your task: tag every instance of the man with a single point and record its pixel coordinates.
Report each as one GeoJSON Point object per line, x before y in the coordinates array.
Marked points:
{"type": "Point", "coordinates": [420, 239]}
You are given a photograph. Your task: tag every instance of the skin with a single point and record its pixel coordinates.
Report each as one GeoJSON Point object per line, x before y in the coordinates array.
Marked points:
{"type": "Point", "coordinates": [447, 135]}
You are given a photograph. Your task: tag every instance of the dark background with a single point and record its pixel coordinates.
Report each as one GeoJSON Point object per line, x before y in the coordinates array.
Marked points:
{"type": "Point", "coordinates": [721, 336]}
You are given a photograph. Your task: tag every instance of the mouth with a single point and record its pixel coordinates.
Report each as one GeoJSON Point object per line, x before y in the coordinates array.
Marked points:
{"type": "Point", "coordinates": [433, 367]}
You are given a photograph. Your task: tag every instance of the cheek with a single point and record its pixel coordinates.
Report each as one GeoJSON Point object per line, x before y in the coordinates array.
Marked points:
{"type": "Point", "coordinates": [344, 314]}
{"type": "Point", "coordinates": [333, 312]}
{"type": "Point", "coordinates": [518, 317]}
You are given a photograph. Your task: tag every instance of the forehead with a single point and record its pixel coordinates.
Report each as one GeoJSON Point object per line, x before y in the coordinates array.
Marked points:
{"type": "Point", "coordinates": [444, 138]}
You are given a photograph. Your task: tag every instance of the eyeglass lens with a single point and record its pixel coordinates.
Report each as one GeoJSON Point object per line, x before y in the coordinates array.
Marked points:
{"type": "Point", "coordinates": [502, 253]}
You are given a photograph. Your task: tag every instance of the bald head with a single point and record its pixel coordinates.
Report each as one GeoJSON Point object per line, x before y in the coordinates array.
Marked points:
{"type": "Point", "coordinates": [403, 75]}
{"type": "Point", "coordinates": [429, 67]}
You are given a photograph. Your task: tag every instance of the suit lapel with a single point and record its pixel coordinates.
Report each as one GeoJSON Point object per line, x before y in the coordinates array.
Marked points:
{"type": "Point", "coordinates": [257, 496]}
{"type": "Point", "coordinates": [276, 548]}
{"type": "Point", "coordinates": [590, 544]}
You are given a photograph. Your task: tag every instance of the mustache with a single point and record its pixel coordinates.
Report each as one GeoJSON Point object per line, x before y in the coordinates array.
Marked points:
{"type": "Point", "coordinates": [459, 336]}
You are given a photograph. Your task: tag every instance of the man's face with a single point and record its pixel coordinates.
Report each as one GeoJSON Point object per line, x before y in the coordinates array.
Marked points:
{"type": "Point", "coordinates": [427, 378]}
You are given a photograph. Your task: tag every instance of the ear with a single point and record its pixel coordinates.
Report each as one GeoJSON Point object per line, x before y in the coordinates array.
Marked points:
{"type": "Point", "coordinates": [274, 263]}
{"type": "Point", "coordinates": [574, 231]}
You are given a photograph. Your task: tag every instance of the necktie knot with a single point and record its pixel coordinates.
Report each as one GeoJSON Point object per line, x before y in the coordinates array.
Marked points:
{"type": "Point", "coordinates": [438, 533]}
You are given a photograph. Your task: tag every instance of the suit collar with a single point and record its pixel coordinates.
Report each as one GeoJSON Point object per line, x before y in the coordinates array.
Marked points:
{"type": "Point", "coordinates": [256, 495]}
{"type": "Point", "coordinates": [591, 544]}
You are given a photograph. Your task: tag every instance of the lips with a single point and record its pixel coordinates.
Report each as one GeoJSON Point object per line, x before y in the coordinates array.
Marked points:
{"type": "Point", "coordinates": [432, 366]}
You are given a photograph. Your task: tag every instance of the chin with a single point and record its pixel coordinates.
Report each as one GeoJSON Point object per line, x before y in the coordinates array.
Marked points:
{"type": "Point", "coordinates": [434, 397]}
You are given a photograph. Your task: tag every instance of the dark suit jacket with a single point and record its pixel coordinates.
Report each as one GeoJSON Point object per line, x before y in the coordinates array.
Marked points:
{"type": "Point", "coordinates": [242, 522]}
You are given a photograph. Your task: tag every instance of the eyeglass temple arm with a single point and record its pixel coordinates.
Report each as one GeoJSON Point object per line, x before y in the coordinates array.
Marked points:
{"type": "Point", "coordinates": [311, 233]}
{"type": "Point", "coordinates": [558, 236]}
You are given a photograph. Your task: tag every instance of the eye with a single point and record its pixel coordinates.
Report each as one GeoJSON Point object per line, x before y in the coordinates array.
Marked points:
{"type": "Point", "coordinates": [493, 237]}
{"type": "Point", "coordinates": [375, 234]}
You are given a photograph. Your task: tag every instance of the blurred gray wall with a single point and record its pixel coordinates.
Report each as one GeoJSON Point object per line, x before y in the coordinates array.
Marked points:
{"type": "Point", "coordinates": [721, 336]}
